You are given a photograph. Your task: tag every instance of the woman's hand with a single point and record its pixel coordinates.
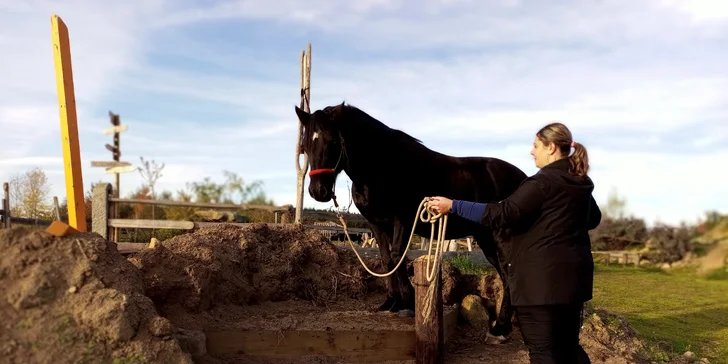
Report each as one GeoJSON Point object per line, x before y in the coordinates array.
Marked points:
{"type": "Point", "coordinates": [441, 204]}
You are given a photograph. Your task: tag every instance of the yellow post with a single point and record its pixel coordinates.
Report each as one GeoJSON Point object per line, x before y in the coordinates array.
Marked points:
{"type": "Point", "coordinates": [69, 125]}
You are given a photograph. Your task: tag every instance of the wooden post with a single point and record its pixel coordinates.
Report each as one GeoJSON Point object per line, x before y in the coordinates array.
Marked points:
{"type": "Point", "coordinates": [430, 333]}
{"type": "Point", "coordinates": [305, 105]}
{"type": "Point", "coordinates": [100, 209]}
{"type": "Point", "coordinates": [69, 124]}
{"type": "Point", "coordinates": [56, 208]}
{"type": "Point", "coordinates": [6, 205]}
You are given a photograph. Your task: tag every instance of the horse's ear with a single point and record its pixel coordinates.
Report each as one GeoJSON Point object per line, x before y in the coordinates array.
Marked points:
{"type": "Point", "coordinates": [337, 112]}
{"type": "Point", "coordinates": [303, 116]}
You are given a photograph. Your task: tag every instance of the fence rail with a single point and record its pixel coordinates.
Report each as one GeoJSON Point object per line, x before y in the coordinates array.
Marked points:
{"type": "Point", "coordinates": [218, 206]}
{"type": "Point", "coordinates": [624, 257]}
{"type": "Point", "coordinates": [189, 225]}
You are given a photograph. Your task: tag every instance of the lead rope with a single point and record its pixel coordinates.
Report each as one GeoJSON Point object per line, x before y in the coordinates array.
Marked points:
{"type": "Point", "coordinates": [425, 215]}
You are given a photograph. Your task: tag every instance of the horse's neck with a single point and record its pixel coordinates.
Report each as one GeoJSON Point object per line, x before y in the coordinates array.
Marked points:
{"type": "Point", "coordinates": [372, 158]}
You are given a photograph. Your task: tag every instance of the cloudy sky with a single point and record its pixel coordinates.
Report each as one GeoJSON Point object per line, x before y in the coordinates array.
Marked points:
{"type": "Point", "coordinates": [210, 85]}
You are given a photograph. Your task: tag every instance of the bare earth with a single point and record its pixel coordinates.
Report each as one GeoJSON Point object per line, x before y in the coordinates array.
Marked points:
{"type": "Point", "coordinates": [76, 299]}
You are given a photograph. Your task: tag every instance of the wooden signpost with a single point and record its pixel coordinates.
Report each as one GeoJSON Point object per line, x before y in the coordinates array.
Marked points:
{"type": "Point", "coordinates": [116, 166]}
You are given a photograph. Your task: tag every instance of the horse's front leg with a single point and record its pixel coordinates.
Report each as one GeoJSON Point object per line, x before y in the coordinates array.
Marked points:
{"type": "Point", "coordinates": [407, 291]}
{"type": "Point", "coordinates": [490, 246]}
{"type": "Point", "coordinates": [384, 238]}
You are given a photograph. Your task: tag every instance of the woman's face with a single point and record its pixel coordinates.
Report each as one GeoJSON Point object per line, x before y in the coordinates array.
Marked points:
{"type": "Point", "coordinates": [542, 154]}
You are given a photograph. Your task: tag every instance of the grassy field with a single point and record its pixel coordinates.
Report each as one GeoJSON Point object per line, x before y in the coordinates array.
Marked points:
{"type": "Point", "coordinates": [673, 309]}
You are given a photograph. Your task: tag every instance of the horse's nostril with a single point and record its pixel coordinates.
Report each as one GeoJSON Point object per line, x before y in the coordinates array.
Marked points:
{"type": "Point", "coordinates": [323, 191]}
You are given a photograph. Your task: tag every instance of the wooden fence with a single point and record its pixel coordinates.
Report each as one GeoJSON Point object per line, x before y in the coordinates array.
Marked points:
{"type": "Point", "coordinates": [104, 221]}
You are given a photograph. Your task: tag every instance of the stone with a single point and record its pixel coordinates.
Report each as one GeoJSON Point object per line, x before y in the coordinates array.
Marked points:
{"type": "Point", "coordinates": [474, 312]}
{"type": "Point", "coordinates": [160, 326]}
{"type": "Point", "coordinates": [192, 342]}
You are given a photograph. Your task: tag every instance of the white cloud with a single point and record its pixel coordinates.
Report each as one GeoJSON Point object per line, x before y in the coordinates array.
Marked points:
{"type": "Point", "coordinates": [642, 83]}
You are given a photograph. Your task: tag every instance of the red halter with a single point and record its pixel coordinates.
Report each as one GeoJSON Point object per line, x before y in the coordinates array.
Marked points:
{"type": "Point", "coordinates": [320, 171]}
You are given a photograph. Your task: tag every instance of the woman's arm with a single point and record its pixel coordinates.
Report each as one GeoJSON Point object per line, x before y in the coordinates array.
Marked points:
{"type": "Point", "coordinates": [595, 214]}
{"type": "Point", "coordinates": [526, 200]}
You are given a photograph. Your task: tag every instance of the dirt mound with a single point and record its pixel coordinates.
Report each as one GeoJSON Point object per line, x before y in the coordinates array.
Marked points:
{"type": "Point", "coordinates": [76, 300]}
{"type": "Point", "coordinates": [228, 264]}
{"type": "Point", "coordinates": [609, 338]}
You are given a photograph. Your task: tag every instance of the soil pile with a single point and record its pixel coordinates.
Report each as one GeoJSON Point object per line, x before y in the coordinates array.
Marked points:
{"type": "Point", "coordinates": [609, 338]}
{"type": "Point", "coordinates": [74, 300]}
{"type": "Point", "coordinates": [228, 264]}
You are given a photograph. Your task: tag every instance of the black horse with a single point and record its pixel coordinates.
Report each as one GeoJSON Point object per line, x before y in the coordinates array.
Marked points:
{"type": "Point", "coordinates": [392, 173]}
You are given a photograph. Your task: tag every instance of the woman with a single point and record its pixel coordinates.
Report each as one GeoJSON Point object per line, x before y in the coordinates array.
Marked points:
{"type": "Point", "coordinates": [549, 268]}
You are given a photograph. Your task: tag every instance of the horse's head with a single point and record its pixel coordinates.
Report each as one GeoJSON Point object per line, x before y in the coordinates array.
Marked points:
{"type": "Point", "coordinates": [323, 143]}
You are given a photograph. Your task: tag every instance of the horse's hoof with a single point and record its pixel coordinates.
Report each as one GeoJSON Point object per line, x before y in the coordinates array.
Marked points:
{"type": "Point", "coordinates": [497, 340]}
{"type": "Point", "coordinates": [388, 305]}
{"type": "Point", "coordinates": [406, 313]}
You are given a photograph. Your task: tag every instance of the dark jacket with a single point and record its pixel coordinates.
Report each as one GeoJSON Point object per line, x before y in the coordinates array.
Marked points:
{"type": "Point", "coordinates": [548, 218]}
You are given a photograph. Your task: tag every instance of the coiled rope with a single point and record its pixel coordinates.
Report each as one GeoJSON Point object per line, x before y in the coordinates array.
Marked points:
{"type": "Point", "coordinates": [427, 215]}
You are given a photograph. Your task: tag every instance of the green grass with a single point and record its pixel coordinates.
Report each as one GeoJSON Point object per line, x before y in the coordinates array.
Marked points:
{"type": "Point", "coordinates": [466, 265]}
{"type": "Point", "coordinates": [672, 309]}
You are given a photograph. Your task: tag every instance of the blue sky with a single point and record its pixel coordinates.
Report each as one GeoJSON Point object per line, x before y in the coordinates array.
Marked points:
{"type": "Point", "coordinates": [209, 85]}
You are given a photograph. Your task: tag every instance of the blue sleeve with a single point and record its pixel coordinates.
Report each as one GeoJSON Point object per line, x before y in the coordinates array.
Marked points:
{"type": "Point", "coordinates": [472, 211]}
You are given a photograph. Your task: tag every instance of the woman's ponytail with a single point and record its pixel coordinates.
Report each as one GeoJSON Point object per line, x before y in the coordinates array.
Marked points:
{"type": "Point", "coordinates": [579, 160]}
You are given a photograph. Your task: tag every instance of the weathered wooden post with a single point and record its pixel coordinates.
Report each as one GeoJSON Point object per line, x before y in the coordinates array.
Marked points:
{"type": "Point", "coordinates": [69, 124]}
{"type": "Point", "coordinates": [305, 105]}
{"type": "Point", "coordinates": [100, 209]}
{"type": "Point", "coordinates": [429, 325]}
{"type": "Point", "coordinates": [6, 205]}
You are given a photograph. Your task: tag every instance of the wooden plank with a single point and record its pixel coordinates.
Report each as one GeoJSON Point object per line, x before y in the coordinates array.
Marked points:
{"type": "Point", "coordinates": [109, 164]}
{"type": "Point", "coordinates": [155, 224]}
{"type": "Point", "coordinates": [151, 224]}
{"type": "Point", "coordinates": [69, 124]}
{"type": "Point", "coordinates": [116, 129]}
{"type": "Point", "coordinates": [355, 346]}
{"type": "Point", "coordinates": [221, 206]}
{"type": "Point", "coordinates": [121, 169]}
{"type": "Point", "coordinates": [429, 320]}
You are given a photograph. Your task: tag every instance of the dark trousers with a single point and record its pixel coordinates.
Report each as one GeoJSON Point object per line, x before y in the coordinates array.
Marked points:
{"type": "Point", "coordinates": [551, 333]}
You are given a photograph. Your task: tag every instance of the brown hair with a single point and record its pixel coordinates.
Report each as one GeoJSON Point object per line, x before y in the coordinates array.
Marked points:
{"type": "Point", "coordinates": [560, 135]}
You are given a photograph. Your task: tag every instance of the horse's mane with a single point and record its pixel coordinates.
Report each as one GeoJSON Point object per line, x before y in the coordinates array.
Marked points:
{"type": "Point", "coordinates": [366, 123]}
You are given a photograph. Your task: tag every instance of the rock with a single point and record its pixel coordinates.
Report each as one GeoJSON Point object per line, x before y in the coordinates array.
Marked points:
{"type": "Point", "coordinates": [665, 266]}
{"type": "Point", "coordinates": [72, 289]}
{"type": "Point", "coordinates": [112, 312]}
{"type": "Point", "coordinates": [192, 342]}
{"type": "Point", "coordinates": [689, 354]}
{"type": "Point", "coordinates": [153, 243]}
{"type": "Point", "coordinates": [406, 313]}
{"type": "Point", "coordinates": [705, 360]}
{"type": "Point", "coordinates": [474, 312]}
{"type": "Point", "coordinates": [160, 326]}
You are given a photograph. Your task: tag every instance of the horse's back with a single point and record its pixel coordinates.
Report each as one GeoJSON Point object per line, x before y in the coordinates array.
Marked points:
{"type": "Point", "coordinates": [494, 177]}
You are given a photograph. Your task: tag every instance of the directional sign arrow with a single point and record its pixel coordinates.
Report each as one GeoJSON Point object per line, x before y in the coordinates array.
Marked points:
{"type": "Point", "coordinates": [116, 129]}
{"type": "Point", "coordinates": [121, 169]}
{"type": "Point", "coordinates": [109, 164]}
